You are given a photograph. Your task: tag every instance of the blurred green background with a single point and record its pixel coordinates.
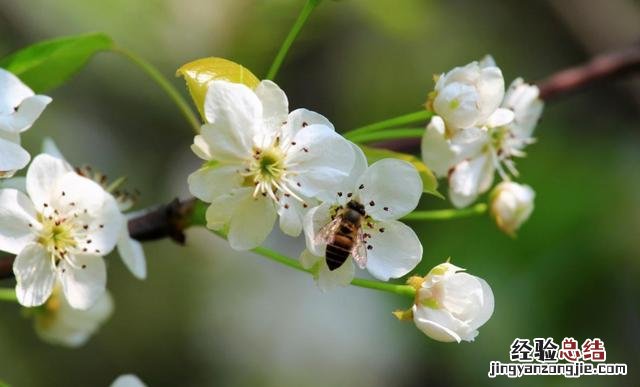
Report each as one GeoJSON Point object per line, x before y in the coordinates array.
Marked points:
{"type": "Point", "coordinates": [210, 316]}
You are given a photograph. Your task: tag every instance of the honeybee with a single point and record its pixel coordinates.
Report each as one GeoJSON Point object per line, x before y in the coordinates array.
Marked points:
{"type": "Point", "coordinates": [344, 236]}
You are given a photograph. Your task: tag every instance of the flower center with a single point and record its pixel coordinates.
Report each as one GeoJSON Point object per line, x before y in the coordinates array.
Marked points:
{"type": "Point", "coordinates": [267, 172]}
{"type": "Point", "coordinates": [58, 235]}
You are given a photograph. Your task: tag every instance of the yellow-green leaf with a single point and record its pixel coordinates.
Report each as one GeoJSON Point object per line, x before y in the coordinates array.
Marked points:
{"type": "Point", "coordinates": [429, 181]}
{"type": "Point", "coordinates": [48, 64]}
{"type": "Point", "coordinates": [199, 73]}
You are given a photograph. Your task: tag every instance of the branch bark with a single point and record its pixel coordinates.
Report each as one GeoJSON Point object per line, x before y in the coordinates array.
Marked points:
{"type": "Point", "coordinates": [171, 219]}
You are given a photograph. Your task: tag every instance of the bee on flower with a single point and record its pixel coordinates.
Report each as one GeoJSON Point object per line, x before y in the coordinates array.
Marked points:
{"type": "Point", "coordinates": [359, 222]}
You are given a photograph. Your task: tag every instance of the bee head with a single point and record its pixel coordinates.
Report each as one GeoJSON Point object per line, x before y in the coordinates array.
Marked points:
{"type": "Point", "coordinates": [356, 207]}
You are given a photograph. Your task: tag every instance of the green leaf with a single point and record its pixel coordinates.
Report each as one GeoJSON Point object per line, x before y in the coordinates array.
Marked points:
{"type": "Point", "coordinates": [48, 64]}
{"type": "Point", "coordinates": [429, 181]}
{"type": "Point", "coordinates": [199, 73]}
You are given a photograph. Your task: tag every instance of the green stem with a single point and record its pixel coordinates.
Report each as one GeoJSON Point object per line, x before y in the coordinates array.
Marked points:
{"type": "Point", "coordinates": [406, 119]}
{"type": "Point", "coordinates": [291, 37]}
{"type": "Point", "coordinates": [382, 135]}
{"type": "Point", "coordinates": [198, 219]}
{"type": "Point", "coordinates": [164, 84]}
{"type": "Point", "coordinates": [8, 295]}
{"type": "Point", "coordinates": [452, 213]}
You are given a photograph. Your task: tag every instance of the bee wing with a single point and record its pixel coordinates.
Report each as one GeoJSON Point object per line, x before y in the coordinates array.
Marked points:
{"type": "Point", "coordinates": [326, 233]}
{"type": "Point", "coordinates": [359, 250]}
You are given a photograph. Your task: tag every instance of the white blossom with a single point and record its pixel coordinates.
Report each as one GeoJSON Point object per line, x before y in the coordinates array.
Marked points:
{"type": "Point", "coordinates": [60, 324]}
{"type": "Point", "coordinates": [511, 205]}
{"type": "Point", "coordinates": [470, 157]}
{"type": "Point", "coordinates": [387, 190]}
{"type": "Point", "coordinates": [60, 231]}
{"type": "Point", "coordinates": [263, 161]}
{"type": "Point", "coordinates": [451, 305]}
{"type": "Point", "coordinates": [467, 96]}
{"type": "Point", "coordinates": [19, 108]}
{"type": "Point", "coordinates": [128, 380]}
{"type": "Point", "coordinates": [129, 249]}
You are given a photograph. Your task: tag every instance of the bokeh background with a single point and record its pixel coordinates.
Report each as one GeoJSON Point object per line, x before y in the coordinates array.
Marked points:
{"type": "Point", "coordinates": [210, 316]}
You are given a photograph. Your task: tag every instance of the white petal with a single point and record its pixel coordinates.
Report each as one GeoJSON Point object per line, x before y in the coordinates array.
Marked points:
{"type": "Point", "coordinates": [27, 113]}
{"type": "Point", "coordinates": [34, 275]}
{"type": "Point", "coordinates": [84, 282]}
{"type": "Point", "coordinates": [275, 105]}
{"type": "Point", "coordinates": [16, 214]}
{"type": "Point", "coordinates": [436, 150]}
{"type": "Point", "coordinates": [301, 118]}
{"type": "Point", "coordinates": [208, 183]}
{"type": "Point", "coordinates": [325, 278]}
{"type": "Point", "coordinates": [314, 220]}
{"type": "Point", "coordinates": [234, 113]}
{"type": "Point", "coordinates": [128, 381]}
{"type": "Point", "coordinates": [434, 323]}
{"type": "Point", "coordinates": [391, 188]}
{"type": "Point", "coordinates": [132, 254]}
{"type": "Point", "coordinates": [12, 92]}
{"type": "Point", "coordinates": [42, 177]}
{"type": "Point", "coordinates": [468, 180]}
{"type": "Point", "coordinates": [102, 215]}
{"type": "Point", "coordinates": [487, 305]}
{"type": "Point", "coordinates": [66, 326]}
{"type": "Point", "coordinates": [219, 212]}
{"type": "Point", "coordinates": [491, 90]}
{"type": "Point", "coordinates": [395, 250]}
{"type": "Point", "coordinates": [321, 158]}
{"type": "Point", "coordinates": [500, 117]}
{"type": "Point", "coordinates": [347, 184]}
{"type": "Point", "coordinates": [251, 222]}
{"type": "Point", "coordinates": [291, 212]}
{"type": "Point", "coordinates": [201, 148]}
{"type": "Point", "coordinates": [14, 157]}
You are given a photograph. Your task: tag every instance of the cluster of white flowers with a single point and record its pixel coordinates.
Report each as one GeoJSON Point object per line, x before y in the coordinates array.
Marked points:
{"type": "Point", "coordinates": [478, 129]}
{"type": "Point", "coordinates": [262, 162]}
{"type": "Point", "coordinates": [59, 224]}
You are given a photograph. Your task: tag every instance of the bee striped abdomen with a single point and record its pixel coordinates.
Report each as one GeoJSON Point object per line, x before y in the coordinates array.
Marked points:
{"type": "Point", "coordinates": [338, 251]}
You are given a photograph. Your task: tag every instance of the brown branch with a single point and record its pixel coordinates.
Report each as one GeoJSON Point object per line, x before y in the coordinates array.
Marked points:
{"type": "Point", "coordinates": [168, 220]}
{"type": "Point", "coordinates": [171, 219]}
{"type": "Point", "coordinates": [601, 67]}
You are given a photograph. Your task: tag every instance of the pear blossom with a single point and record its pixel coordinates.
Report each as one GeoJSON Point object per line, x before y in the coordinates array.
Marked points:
{"type": "Point", "coordinates": [19, 108]}
{"type": "Point", "coordinates": [128, 380]}
{"type": "Point", "coordinates": [129, 249]}
{"type": "Point", "coordinates": [60, 324]}
{"type": "Point", "coordinates": [451, 305]}
{"type": "Point", "coordinates": [467, 96]}
{"type": "Point", "coordinates": [469, 157]}
{"type": "Point", "coordinates": [59, 231]}
{"type": "Point", "coordinates": [524, 100]}
{"type": "Point", "coordinates": [511, 205]}
{"type": "Point", "coordinates": [386, 191]}
{"type": "Point", "coordinates": [262, 161]}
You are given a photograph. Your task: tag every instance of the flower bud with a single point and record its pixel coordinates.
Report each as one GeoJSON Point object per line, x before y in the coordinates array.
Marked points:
{"type": "Point", "coordinates": [451, 305]}
{"type": "Point", "coordinates": [511, 205]}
